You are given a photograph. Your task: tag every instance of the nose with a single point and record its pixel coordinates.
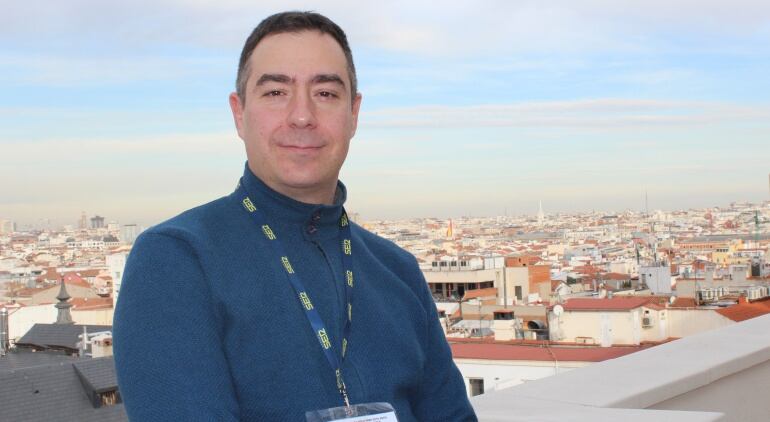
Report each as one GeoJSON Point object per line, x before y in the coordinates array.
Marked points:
{"type": "Point", "coordinates": [301, 111]}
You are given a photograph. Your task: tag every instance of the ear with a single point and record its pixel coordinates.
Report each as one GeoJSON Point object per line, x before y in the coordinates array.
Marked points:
{"type": "Point", "coordinates": [237, 108]}
{"type": "Point", "coordinates": [356, 107]}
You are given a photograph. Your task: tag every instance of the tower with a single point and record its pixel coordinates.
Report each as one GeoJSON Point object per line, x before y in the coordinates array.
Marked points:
{"type": "Point", "coordinates": [64, 316]}
{"type": "Point", "coordinates": [540, 214]}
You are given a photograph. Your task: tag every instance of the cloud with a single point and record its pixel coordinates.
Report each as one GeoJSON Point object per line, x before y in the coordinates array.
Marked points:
{"type": "Point", "coordinates": [598, 113]}
{"type": "Point", "coordinates": [60, 149]}
{"type": "Point", "coordinates": [101, 70]}
{"type": "Point", "coordinates": [453, 28]}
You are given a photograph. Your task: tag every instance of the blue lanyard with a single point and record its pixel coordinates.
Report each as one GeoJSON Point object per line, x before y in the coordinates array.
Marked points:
{"type": "Point", "coordinates": [316, 323]}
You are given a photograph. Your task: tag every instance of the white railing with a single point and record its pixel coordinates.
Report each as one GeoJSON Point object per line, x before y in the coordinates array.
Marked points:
{"type": "Point", "coordinates": [719, 375]}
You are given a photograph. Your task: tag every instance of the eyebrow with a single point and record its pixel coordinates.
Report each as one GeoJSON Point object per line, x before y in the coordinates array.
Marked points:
{"type": "Point", "coordinates": [328, 77]}
{"type": "Point", "coordinates": [273, 77]}
{"type": "Point", "coordinates": [285, 79]}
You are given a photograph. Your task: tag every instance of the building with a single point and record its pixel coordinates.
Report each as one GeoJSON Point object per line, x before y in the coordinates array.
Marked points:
{"type": "Point", "coordinates": [487, 367]}
{"type": "Point", "coordinates": [609, 322]}
{"type": "Point", "coordinates": [7, 227]}
{"type": "Point", "coordinates": [60, 371]}
{"type": "Point", "coordinates": [128, 233]}
{"type": "Point", "coordinates": [97, 222]}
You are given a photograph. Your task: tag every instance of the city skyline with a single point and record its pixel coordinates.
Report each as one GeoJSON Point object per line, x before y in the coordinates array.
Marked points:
{"type": "Point", "coordinates": [84, 219]}
{"type": "Point", "coordinates": [121, 110]}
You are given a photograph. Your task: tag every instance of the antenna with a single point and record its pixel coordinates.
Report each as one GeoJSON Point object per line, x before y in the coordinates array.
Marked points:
{"type": "Point", "coordinates": [638, 258]}
{"type": "Point", "coordinates": [646, 204]}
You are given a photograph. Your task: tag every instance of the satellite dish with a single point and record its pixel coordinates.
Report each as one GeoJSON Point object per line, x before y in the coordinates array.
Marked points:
{"type": "Point", "coordinates": [558, 310]}
{"type": "Point", "coordinates": [672, 299]}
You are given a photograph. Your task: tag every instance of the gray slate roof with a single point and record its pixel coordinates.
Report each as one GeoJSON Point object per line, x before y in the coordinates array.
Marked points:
{"type": "Point", "coordinates": [98, 373]}
{"type": "Point", "coordinates": [20, 359]}
{"type": "Point", "coordinates": [57, 335]}
{"type": "Point", "coordinates": [55, 391]}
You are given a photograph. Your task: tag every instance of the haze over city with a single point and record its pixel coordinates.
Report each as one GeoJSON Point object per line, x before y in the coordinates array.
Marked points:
{"type": "Point", "coordinates": [469, 109]}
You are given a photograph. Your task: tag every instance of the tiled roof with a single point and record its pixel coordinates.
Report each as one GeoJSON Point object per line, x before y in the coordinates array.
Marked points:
{"type": "Point", "coordinates": [606, 304]}
{"type": "Point", "coordinates": [98, 373]}
{"type": "Point", "coordinates": [57, 335]}
{"type": "Point", "coordinates": [655, 306]}
{"type": "Point", "coordinates": [615, 276]}
{"type": "Point", "coordinates": [537, 353]}
{"type": "Point", "coordinates": [472, 294]}
{"type": "Point", "coordinates": [54, 392]}
{"type": "Point", "coordinates": [85, 303]}
{"type": "Point", "coordinates": [743, 311]}
{"type": "Point", "coordinates": [86, 273]}
{"type": "Point", "coordinates": [684, 302]}
{"type": "Point", "coordinates": [20, 359]}
{"type": "Point", "coordinates": [75, 280]}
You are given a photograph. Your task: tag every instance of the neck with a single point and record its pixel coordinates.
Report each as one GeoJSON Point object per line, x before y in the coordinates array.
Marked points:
{"type": "Point", "coordinates": [317, 194]}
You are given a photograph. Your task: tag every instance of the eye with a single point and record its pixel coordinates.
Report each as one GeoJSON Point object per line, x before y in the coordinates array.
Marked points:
{"type": "Point", "coordinates": [327, 94]}
{"type": "Point", "coordinates": [273, 93]}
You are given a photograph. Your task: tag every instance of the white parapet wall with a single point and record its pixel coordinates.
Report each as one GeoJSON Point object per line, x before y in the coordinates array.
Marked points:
{"type": "Point", "coordinates": [723, 374]}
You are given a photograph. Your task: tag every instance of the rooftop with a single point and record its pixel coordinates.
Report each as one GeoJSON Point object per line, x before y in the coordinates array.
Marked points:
{"type": "Point", "coordinates": [59, 391]}
{"type": "Point", "coordinates": [718, 375]}
{"type": "Point", "coordinates": [619, 303]}
{"type": "Point", "coordinates": [746, 310]}
{"type": "Point", "coordinates": [538, 352]}
{"type": "Point", "coordinates": [57, 336]}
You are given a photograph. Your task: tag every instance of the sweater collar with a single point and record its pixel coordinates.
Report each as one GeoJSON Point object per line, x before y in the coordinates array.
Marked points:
{"type": "Point", "coordinates": [316, 220]}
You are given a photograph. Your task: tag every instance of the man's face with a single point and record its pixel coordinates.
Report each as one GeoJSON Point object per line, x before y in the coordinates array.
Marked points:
{"type": "Point", "coordinates": [298, 117]}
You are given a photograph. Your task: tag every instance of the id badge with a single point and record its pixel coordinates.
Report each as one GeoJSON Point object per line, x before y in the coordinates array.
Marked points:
{"type": "Point", "coordinates": [367, 412]}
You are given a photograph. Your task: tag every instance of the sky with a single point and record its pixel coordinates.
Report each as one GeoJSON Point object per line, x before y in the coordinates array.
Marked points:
{"type": "Point", "coordinates": [472, 108]}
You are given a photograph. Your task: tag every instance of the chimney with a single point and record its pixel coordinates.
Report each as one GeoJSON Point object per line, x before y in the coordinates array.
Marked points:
{"type": "Point", "coordinates": [504, 325]}
{"type": "Point", "coordinates": [5, 344]}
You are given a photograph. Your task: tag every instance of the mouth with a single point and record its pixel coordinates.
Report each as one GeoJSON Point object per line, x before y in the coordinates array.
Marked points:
{"type": "Point", "coordinates": [302, 148]}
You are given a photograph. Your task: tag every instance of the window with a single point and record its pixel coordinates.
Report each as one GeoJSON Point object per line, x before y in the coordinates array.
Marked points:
{"type": "Point", "coordinates": [518, 292]}
{"type": "Point", "coordinates": [477, 386]}
{"type": "Point", "coordinates": [109, 398]}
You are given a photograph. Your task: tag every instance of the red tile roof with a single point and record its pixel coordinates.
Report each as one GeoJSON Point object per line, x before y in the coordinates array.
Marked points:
{"type": "Point", "coordinates": [538, 353]}
{"type": "Point", "coordinates": [744, 311]}
{"type": "Point", "coordinates": [615, 276]}
{"type": "Point", "coordinates": [472, 294]}
{"type": "Point", "coordinates": [84, 303]}
{"type": "Point", "coordinates": [88, 273]}
{"type": "Point", "coordinates": [684, 302]}
{"type": "Point", "coordinates": [614, 304]}
{"type": "Point", "coordinates": [75, 280]}
{"type": "Point", "coordinates": [655, 306]}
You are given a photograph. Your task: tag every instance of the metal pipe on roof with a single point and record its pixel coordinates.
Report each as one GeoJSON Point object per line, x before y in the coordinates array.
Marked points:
{"type": "Point", "coordinates": [5, 344]}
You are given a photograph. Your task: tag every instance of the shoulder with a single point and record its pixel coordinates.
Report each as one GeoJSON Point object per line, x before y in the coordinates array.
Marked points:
{"type": "Point", "coordinates": [198, 224]}
{"type": "Point", "coordinates": [199, 231]}
{"type": "Point", "coordinates": [391, 256]}
{"type": "Point", "coordinates": [384, 249]}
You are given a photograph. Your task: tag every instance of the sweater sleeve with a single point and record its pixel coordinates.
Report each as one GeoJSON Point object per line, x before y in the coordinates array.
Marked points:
{"type": "Point", "coordinates": [442, 395]}
{"type": "Point", "coordinates": [168, 350]}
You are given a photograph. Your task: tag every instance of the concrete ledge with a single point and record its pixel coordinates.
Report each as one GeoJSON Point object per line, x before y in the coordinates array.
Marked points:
{"type": "Point", "coordinates": [528, 409]}
{"type": "Point", "coordinates": [650, 377]}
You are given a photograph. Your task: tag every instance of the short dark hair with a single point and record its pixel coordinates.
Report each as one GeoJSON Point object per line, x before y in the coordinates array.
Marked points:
{"type": "Point", "coordinates": [294, 21]}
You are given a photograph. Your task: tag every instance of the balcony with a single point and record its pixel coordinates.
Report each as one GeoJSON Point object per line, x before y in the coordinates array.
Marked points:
{"type": "Point", "coordinates": [719, 375]}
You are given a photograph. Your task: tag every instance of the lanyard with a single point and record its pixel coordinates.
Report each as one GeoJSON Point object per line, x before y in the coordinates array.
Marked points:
{"type": "Point", "coordinates": [316, 323]}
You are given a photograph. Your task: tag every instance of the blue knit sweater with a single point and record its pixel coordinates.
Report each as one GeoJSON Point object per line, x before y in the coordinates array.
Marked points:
{"type": "Point", "coordinates": [207, 327]}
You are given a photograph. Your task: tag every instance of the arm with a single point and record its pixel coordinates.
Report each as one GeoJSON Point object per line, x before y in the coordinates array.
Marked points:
{"type": "Point", "coordinates": [442, 396]}
{"type": "Point", "coordinates": [168, 351]}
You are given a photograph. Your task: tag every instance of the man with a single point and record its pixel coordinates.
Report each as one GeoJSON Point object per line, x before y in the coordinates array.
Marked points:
{"type": "Point", "coordinates": [268, 304]}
